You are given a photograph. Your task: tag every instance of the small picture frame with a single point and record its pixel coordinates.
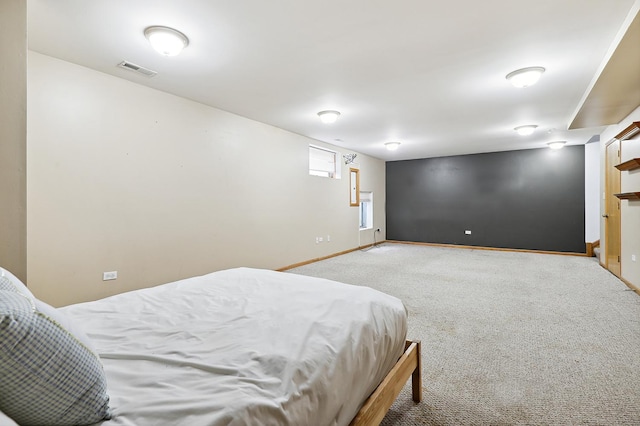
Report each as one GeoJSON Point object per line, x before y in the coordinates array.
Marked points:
{"type": "Point", "coordinates": [354, 187]}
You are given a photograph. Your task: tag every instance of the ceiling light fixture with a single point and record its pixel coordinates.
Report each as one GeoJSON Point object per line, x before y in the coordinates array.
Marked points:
{"type": "Point", "coordinates": [526, 130]}
{"type": "Point", "coordinates": [392, 146]}
{"type": "Point", "coordinates": [525, 77]}
{"type": "Point", "coordinates": [165, 40]}
{"type": "Point", "coordinates": [556, 144]}
{"type": "Point", "coordinates": [328, 116]}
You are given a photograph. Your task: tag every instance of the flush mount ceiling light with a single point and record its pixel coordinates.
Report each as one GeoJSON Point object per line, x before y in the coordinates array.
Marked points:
{"type": "Point", "coordinates": [392, 146]}
{"type": "Point", "coordinates": [525, 77]}
{"type": "Point", "coordinates": [165, 40]}
{"type": "Point", "coordinates": [526, 130]}
{"type": "Point", "coordinates": [556, 144]}
{"type": "Point", "coordinates": [328, 116]}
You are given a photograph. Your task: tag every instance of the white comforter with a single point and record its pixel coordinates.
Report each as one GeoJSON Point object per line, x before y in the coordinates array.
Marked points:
{"type": "Point", "coordinates": [243, 347]}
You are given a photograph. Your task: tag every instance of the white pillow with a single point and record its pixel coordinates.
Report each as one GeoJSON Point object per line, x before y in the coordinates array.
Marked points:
{"type": "Point", "coordinates": [6, 421]}
{"type": "Point", "coordinates": [66, 323]}
{"type": "Point", "coordinates": [47, 375]}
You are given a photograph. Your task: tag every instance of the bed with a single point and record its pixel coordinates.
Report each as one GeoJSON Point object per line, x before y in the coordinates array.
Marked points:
{"type": "Point", "coordinates": [245, 346]}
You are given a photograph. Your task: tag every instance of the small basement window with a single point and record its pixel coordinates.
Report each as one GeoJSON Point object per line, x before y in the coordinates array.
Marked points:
{"type": "Point", "coordinates": [322, 162]}
{"type": "Point", "coordinates": [366, 210]}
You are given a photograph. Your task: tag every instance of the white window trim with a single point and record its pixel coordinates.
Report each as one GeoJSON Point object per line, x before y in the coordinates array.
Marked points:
{"type": "Point", "coordinates": [336, 173]}
{"type": "Point", "coordinates": [366, 196]}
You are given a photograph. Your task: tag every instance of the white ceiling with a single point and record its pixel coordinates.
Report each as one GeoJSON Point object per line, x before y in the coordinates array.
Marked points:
{"type": "Point", "coordinates": [428, 74]}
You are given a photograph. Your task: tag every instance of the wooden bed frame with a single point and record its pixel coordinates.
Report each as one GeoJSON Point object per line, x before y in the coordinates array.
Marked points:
{"type": "Point", "coordinates": [377, 405]}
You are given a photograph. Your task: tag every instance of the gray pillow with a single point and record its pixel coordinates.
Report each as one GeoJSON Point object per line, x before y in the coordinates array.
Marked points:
{"type": "Point", "coordinates": [10, 282]}
{"type": "Point", "coordinates": [47, 376]}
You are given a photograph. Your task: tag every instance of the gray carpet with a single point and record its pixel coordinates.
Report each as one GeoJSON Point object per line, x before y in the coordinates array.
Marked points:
{"type": "Point", "coordinates": [508, 338]}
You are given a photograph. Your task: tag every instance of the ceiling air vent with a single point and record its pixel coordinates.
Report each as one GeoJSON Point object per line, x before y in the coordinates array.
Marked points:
{"type": "Point", "coordinates": [137, 68]}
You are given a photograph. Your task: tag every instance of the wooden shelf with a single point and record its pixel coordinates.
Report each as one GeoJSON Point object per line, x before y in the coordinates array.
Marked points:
{"type": "Point", "coordinates": [629, 132]}
{"type": "Point", "coordinates": [632, 164]}
{"type": "Point", "coordinates": [628, 196]}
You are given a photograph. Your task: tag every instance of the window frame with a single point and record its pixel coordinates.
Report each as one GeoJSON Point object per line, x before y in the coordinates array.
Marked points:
{"type": "Point", "coordinates": [327, 172]}
{"type": "Point", "coordinates": [366, 200]}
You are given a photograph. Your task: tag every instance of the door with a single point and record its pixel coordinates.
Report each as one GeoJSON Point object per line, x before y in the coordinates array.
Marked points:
{"type": "Point", "coordinates": [612, 208]}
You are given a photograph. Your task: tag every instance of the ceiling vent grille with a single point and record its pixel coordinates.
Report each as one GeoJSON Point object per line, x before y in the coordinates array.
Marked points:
{"type": "Point", "coordinates": [137, 68]}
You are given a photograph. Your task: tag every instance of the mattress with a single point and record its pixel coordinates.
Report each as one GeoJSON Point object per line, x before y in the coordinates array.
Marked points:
{"type": "Point", "coordinates": [243, 347]}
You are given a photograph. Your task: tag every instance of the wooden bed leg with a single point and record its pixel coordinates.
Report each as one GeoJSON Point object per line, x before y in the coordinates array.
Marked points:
{"type": "Point", "coordinates": [416, 376]}
{"type": "Point", "coordinates": [376, 406]}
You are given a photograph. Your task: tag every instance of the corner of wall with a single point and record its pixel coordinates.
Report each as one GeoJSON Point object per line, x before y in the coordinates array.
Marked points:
{"type": "Point", "coordinates": [13, 111]}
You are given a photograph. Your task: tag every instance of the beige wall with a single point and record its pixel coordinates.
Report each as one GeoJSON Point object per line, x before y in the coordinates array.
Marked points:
{"type": "Point", "coordinates": [592, 192]}
{"type": "Point", "coordinates": [13, 139]}
{"type": "Point", "coordinates": [127, 178]}
{"type": "Point", "coordinates": [372, 179]}
{"type": "Point", "coordinates": [629, 210]}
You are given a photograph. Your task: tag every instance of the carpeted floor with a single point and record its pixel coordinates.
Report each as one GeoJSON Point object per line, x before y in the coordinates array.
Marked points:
{"type": "Point", "coordinates": [508, 338]}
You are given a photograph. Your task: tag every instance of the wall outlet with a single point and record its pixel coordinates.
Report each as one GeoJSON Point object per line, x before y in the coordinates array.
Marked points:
{"type": "Point", "coordinates": [320, 239]}
{"type": "Point", "coordinates": [328, 238]}
{"type": "Point", "coordinates": [467, 232]}
{"type": "Point", "coordinates": [106, 276]}
{"type": "Point", "coordinates": [633, 257]}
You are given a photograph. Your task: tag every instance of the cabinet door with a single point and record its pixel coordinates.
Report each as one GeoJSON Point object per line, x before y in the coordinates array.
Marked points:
{"type": "Point", "coordinates": [612, 208]}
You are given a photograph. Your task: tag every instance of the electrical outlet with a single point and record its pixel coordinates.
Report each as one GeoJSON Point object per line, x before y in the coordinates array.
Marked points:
{"type": "Point", "coordinates": [633, 257]}
{"type": "Point", "coordinates": [106, 276]}
{"type": "Point", "coordinates": [320, 239]}
{"type": "Point", "coordinates": [467, 232]}
{"type": "Point", "coordinates": [328, 238]}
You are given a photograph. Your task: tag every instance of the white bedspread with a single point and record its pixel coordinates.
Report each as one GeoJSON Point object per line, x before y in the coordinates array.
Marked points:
{"type": "Point", "coordinates": [243, 347]}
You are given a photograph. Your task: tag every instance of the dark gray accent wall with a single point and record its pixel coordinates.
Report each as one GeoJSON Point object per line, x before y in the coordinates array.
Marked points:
{"type": "Point", "coordinates": [530, 199]}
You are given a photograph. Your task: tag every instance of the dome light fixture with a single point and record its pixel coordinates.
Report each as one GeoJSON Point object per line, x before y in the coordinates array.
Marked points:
{"type": "Point", "coordinates": [526, 130]}
{"type": "Point", "coordinates": [556, 144]}
{"type": "Point", "coordinates": [328, 116]}
{"type": "Point", "coordinates": [165, 40]}
{"type": "Point", "coordinates": [392, 146]}
{"type": "Point", "coordinates": [525, 77]}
